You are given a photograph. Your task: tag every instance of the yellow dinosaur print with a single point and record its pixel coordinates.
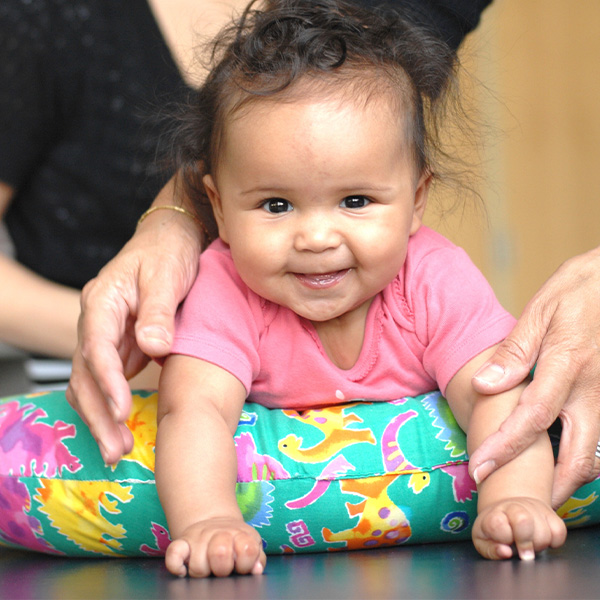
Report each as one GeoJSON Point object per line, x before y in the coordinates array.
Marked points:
{"type": "Point", "coordinates": [326, 419]}
{"type": "Point", "coordinates": [75, 509]}
{"type": "Point", "coordinates": [331, 422]}
{"type": "Point", "coordinates": [381, 522]}
{"type": "Point", "coordinates": [572, 511]}
{"type": "Point", "coordinates": [417, 482]}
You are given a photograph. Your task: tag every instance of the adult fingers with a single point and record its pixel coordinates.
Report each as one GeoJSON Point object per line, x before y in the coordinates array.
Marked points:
{"type": "Point", "coordinates": [514, 358]}
{"type": "Point", "coordinates": [158, 303]}
{"type": "Point", "coordinates": [565, 305]}
{"type": "Point", "coordinates": [563, 322]}
{"type": "Point", "coordinates": [538, 407]}
{"type": "Point", "coordinates": [577, 463]}
{"type": "Point", "coordinates": [102, 346]}
{"type": "Point", "coordinates": [105, 356]}
{"type": "Point", "coordinates": [113, 438]}
{"type": "Point", "coordinates": [161, 287]}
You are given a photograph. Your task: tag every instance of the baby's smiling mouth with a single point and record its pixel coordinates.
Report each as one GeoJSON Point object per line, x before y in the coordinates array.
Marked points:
{"type": "Point", "coordinates": [321, 281]}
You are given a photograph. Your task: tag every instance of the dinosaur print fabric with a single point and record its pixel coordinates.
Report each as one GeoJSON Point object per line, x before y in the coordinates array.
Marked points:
{"type": "Point", "coordinates": [353, 476]}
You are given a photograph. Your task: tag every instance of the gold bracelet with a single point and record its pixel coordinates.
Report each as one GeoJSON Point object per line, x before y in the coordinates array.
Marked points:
{"type": "Point", "coordinates": [178, 209]}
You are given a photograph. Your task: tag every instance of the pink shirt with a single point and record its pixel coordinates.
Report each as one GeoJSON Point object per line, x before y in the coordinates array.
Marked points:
{"type": "Point", "coordinates": [437, 314]}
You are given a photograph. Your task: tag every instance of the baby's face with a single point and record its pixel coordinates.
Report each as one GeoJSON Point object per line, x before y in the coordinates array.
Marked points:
{"type": "Point", "coordinates": [317, 199]}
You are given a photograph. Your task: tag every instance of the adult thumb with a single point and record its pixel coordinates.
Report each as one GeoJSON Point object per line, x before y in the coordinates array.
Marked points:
{"type": "Point", "coordinates": [155, 323]}
{"type": "Point", "coordinates": [512, 361]}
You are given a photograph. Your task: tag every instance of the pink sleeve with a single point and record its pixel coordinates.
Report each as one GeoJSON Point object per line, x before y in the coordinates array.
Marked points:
{"type": "Point", "coordinates": [219, 320]}
{"type": "Point", "coordinates": [459, 317]}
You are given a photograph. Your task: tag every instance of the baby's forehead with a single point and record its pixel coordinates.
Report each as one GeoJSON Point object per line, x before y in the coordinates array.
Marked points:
{"type": "Point", "coordinates": [365, 90]}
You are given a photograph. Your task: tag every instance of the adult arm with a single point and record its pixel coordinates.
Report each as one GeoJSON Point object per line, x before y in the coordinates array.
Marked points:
{"type": "Point", "coordinates": [127, 316]}
{"type": "Point", "coordinates": [36, 315]}
{"type": "Point", "coordinates": [559, 331]}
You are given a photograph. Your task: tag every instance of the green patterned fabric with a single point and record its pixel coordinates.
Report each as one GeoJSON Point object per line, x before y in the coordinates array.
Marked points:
{"type": "Point", "coordinates": [352, 476]}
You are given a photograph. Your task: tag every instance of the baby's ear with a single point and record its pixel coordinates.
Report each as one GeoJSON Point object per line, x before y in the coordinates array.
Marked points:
{"type": "Point", "coordinates": [421, 194]}
{"type": "Point", "coordinates": [215, 200]}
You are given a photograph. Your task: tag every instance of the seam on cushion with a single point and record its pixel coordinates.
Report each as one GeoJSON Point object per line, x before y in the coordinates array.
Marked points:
{"type": "Point", "coordinates": [296, 477]}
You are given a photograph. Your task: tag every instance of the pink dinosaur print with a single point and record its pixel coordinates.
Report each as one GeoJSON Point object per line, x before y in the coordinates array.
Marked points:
{"type": "Point", "coordinates": [29, 447]}
{"type": "Point", "coordinates": [253, 466]}
{"type": "Point", "coordinates": [162, 539]}
{"type": "Point", "coordinates": [381, 522]}
{"type": "Point", "coordinates": [462, 484]}
{"type": "Point", "coordinates": [393, 459]}
{"type": "Point", "coordinates": [338, 466]}
{"type": "Point", "coordinates": [16, 527]}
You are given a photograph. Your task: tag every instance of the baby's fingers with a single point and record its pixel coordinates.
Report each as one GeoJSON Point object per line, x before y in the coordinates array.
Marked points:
{"type": "Point", "coordinates": [492, 535]}
{"type": "Point", "coordinates": [524, 531]}
{"type": "Point", "coordinates": [249, 554]}
{"type": "Point", "coordinates": [177, 556]}
{"type": "Point", "coordinates": [558, 531]}
{"type": "Point", "coordinates": [241, 553]}
{"type": "Point", "coordinates": [220, 552]}
{"type": "Point", "coordinates": [536, 531]}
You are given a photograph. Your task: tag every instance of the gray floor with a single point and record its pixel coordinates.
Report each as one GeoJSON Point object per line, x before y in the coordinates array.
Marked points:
{"type": "Point", "coordinates": [410, 572]}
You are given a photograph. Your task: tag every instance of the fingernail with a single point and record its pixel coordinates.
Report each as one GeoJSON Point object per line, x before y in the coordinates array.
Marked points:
{"type": "Point", "coordinates": [483, 470]}
{"type": "Point", "coordinates": [257, 569]}
{"type": "Point", "coordinates": [527, 555]}
{"type": "Point", "coordinates": [490, 374]}
{"type": "Point", "coordinates": [156, 335]}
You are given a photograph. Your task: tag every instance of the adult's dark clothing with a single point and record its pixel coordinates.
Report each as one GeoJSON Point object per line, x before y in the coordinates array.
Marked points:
{"type": "Point", "coordinates": [80, 81]}
{"type": "Point", "coordinates": [450, 20]}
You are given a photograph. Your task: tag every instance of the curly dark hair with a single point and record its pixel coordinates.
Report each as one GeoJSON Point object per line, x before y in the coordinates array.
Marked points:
{"type": "Point", "coordinates": [324, 43]}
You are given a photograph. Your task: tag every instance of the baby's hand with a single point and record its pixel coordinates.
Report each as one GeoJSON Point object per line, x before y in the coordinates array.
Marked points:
{"type": "Point", "coordinates": [528, 523]}
{"type": "Point", "coordinates": [217, 546]}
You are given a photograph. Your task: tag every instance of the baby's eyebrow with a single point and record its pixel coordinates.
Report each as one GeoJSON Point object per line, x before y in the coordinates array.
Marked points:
{"type": "Point", "coordinates": [360, 189]}
{"type": "Point", "coordinates": [265, 190]}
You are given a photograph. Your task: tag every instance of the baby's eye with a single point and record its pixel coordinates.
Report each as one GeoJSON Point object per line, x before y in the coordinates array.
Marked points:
{"type": "Point", "coordinates": [354, 202]}
{"type": "Point", "coordinates": [277, 205]}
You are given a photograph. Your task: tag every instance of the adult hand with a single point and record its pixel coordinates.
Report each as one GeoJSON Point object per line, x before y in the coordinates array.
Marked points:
{"type": "Point", "coordinates": [560, 331]}
{"type": "Point", "coordinates": [127, 317]}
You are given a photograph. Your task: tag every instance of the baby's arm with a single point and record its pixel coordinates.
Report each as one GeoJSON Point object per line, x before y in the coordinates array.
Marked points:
{"type": "Point", "coordinates": [514, 504]}
{"type": "Point", "coordinates": [196, 469]}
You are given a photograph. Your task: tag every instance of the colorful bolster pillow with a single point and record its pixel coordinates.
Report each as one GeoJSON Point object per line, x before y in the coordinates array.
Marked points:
{"type": "Point", "coordinates": [352, 476]}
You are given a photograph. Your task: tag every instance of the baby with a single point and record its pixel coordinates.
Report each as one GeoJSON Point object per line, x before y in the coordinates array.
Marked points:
{"type": "Point", "coordinates": [312, 142]}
